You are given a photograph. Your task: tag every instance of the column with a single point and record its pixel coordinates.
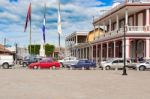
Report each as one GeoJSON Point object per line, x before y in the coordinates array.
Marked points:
{"type": "Point", "coordinates": [76, 39]}
{"type": "Point", "coordinates": [109, 25]}
{"type": "Point", "coordinates": [126, 17]}
{"type": "Point", "coordinates": [127, 48]}
{"type": "Point", "coordinates": [117, 23]}
{"type": "Point", "coordinates": [147, 48]}
{"type": "Point", "coordinates": [107, 50]}
{"type": "Point", "coordinates": [86, 53]}
{"type": "Point", "coordinates": [101, 51]}
{"type": "Point", "coordinates": [80, 53]}
{"type": "Point", "coordinates": [92, 53]}
{"type": "Point", "coordinates": [83, 55]}
{"type": "Point", "coordinates": [96, 53]}
{"type": "Point", "coordinates": [147, 17]}
{"type": "Point", "coordinates": [114, 49]}
{"type": "Point", "coordinates": [123, 48]}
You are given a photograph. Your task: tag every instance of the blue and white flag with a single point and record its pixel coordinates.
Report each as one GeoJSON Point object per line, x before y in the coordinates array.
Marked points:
{"type": "Point", "coordinates": [44, 25]}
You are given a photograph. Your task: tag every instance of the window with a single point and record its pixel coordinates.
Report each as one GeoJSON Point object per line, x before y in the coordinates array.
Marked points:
{"type": "Point", "coordinates": [120, 61]}
{"type": "Point", "coordinates": [116, 61]}
{"type": "Point", "coordinates": [82, 61]}
{"type": "Point", "coordinates": [87, 61]}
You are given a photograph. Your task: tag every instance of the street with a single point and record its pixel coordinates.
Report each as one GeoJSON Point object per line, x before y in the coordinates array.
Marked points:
{"type": "Point", "coordinates": [23, 83]}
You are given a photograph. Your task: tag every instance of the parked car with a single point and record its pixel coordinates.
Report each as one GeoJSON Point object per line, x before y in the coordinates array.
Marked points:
{"type": "Point", "coordinates": [67, 61]}
{"type": "Point", "coordinates": [44, 64]}
{"type": "Point", "coordinates": [143, 66]}
{"type": "Point", "coordinates": [6, 61]}
{"type": "Point", "coordinates": [27, 61]}
{"type": "Point", "coordinates": [115, 63]}
{"type": "Point", "coordinates": [86, 64]}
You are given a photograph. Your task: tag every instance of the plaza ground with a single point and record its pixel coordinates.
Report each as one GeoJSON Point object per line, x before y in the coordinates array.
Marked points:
{"type": "Point", "coordinates": [21, 83]}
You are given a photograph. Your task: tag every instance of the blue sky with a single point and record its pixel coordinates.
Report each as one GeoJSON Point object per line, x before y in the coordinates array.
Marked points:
{"type": "Point", "coordinates": [76, 16]}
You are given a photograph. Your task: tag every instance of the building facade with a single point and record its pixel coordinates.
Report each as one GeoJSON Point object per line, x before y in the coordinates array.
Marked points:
{"type": "Point", "coordinates": [130, 19]}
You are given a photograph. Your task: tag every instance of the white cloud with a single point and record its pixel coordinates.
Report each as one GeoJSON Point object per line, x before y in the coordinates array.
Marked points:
{"type": "Point", "coordinates": [80, 11]}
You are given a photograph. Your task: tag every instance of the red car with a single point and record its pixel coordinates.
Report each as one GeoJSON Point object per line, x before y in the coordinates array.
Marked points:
{"type": "Point", "coordinates": [45, 64]}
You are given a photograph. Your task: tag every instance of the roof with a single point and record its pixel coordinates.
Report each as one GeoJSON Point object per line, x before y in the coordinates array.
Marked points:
{"type": "Point", "coordinates": [3, 49]}
{"type": "Point", "coordinates": [119, 7]}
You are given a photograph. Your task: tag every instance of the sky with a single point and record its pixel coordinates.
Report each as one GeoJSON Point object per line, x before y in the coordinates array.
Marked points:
{"type": "Point", "coordinates": [76, 15]}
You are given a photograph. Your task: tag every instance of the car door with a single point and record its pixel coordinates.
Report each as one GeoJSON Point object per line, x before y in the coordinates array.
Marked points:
{"type": "Point", "coordinates": [50, 63]}
{"type": "Point", "coordinates": [80, 64]}
{"type": "Point", "coordinates": [120, 63]}
{"type": "Point", "coordinates": [114, 64]}
{"type": "Point", "coordinates": [147, 64]}
{"type": "Point", "coordinates": [43, 64]}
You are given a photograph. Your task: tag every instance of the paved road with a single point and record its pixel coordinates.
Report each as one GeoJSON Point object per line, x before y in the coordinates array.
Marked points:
{"type": "Point", "coordinates": [23, 83]}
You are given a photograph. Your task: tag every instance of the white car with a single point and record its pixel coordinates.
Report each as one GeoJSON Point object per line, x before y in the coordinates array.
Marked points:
{"type": "Point", "coordinates": [68, 61]}
{"type": "Point", "coordinates": [143, 66]}
{"type": "Point", "coordinates": [6, 61]}
{"type": "Point", "coordinates": [115, 63]}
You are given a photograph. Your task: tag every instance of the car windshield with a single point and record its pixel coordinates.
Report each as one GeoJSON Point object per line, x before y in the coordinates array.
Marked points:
{"type": "Point", "coordinates": [109, 61]}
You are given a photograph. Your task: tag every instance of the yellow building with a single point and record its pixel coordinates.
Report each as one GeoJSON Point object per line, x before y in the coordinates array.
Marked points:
{"type": "Point", "coordinates": [94, 34]}
{"type": "Point", "coordinates": [83, 49]}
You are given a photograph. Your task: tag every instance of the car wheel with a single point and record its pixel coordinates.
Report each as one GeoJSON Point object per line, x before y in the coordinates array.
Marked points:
{"type": "Point", "coordinates": [142, 68]}
{"type": "Point", "coordinates": [107, 67]}
{"type": "Point", "coordinates": [61, 65]}
{"type": "Point", "coordinates": [53, 67]}
{"type": "Point", "coordinates": [24, 64]}
{"type": "Point", "coordinates": [5, 66]}
{"type": "Point", "coordinates": [83, 68]}
{"type": "Point", "coordinates": [35, 67]}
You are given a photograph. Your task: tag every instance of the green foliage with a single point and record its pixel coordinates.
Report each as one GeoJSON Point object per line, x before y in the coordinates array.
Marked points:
{"type": "Point", "coordinates": [49, 49]}
{"type": "Point", "coordinates": [35, 49]}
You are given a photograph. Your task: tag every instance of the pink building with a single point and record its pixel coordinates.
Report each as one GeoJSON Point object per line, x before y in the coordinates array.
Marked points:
{"type": "Point", "coordinates": [131, 17]}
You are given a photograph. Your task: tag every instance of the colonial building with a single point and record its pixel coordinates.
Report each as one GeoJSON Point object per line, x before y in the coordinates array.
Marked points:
{"type": "Point", "coordinates": [130, 19]}
{"type": "Point", "coordinates": [80, 43]}
{"type": "Point", "coordinates": [73, 40]}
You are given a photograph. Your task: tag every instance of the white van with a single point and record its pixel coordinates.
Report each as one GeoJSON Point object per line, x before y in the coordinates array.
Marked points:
{"type": "Point", "coordinates": [6, 61]}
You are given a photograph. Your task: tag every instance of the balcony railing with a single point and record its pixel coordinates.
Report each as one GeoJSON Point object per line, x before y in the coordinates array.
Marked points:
{"type": "Point", "coordinates": [138, 29]}
{"type": "Point", "coordinates": [129, 30]}
{"type": "Point", "coordinates": [138, 1]}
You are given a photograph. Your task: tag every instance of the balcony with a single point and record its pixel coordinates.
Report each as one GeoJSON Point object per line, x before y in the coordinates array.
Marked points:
{"type": "Point", "coordinates": [138, 1]}
{"type": "Point", "coordinates": [134, 30]}
{"type": "Point", "coordinates": [138, 29]}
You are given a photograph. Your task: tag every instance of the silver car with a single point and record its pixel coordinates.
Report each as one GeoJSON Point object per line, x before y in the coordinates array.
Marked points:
{"type": "Point", "coordinates": [143, 66]}
{"type": "Point", "coordinates": [68, 61]}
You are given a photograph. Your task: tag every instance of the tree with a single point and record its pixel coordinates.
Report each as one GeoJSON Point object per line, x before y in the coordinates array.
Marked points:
{"type": "Point", "coordinates": [49, 49]}
{"type": "Point", "coordinates": [35, 49]}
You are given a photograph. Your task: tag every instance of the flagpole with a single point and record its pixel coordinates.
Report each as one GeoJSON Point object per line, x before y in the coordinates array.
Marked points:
{"type": "Point", "coordinates": [30, 37]}
{"type": "Point", "coordinates": [59, 27]}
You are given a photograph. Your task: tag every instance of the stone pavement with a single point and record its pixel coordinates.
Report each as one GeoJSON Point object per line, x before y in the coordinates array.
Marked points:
{"type": "Point", "coordinates": [73, 84]}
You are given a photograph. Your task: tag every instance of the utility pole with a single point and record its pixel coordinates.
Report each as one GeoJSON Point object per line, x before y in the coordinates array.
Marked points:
{"type": "Point", "coordinates": [4, 44]}
{"type": "Point", "coordinates": [16, 45]}
{"type": "Point", "coordinates": [124, 67]}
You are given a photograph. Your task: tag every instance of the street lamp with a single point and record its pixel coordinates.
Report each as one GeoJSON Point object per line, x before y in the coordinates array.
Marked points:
{"type": "Point", "coordinates": [124, 67]}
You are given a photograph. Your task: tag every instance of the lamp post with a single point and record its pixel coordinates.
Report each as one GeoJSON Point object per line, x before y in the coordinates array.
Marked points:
{"type": "Point", "coordinates": [124, 40]}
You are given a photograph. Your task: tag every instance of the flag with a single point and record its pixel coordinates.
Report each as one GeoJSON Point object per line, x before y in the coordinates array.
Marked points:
{"type": "Point", "coordinates": [59, 20]}
{"type": "Point", "coordinates": [28, 18]}
{"type": "Point", "coordinates": [44, 25]}
{"type": "Point", "coordinates": [13, 0]}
